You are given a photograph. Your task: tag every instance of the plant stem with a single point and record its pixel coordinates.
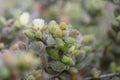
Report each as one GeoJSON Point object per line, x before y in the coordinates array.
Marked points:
{"type": "Point", "coordinates": [103, 76]}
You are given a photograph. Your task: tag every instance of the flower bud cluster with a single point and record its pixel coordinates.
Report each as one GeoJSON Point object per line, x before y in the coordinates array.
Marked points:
{"type": "Point", "coordinates": [60, 42]}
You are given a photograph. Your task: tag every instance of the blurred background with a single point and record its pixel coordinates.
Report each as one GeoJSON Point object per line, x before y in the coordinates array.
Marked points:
{"type": "Point", "coordinates": [88, 16]}
{"type": "Point", "coordinates": [82, 14]}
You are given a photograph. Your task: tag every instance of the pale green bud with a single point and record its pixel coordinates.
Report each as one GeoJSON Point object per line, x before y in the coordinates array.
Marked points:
{"type": "Point", "coordinates": [73, 70]}
{"type": "Point", "coordinates": [59, 43]}
{"type": "Point", "coordinates": [53, 53]}
{"type": "Point", "coordinates": [75, 52]}
{"type": "Point", "coordinates": [57, 66]}
{"type": "Point", "coordinates": [17, 24]}
{"type": "Point", "coordinates": [52, 27]}
{"type": "Point", "coordinates": [52, 23]}
{"type": "Point", "coordinates": [67, 60]}
{"type": "Point", "coordinates": [65, 33]}
{"type": "Point", "coordinates": [58, 33]}
{"type": "Point", "coordinates": [69, 40]}
{"type": "Point", "coordinates": [45, 27]}
{"type": "Point", "coordinates": [50, 41]}
{"type": "Point", "coordinates": [38, 34]}
{"type": "Point", "coordinates": [63, 26]}
{"type": "Point", "coordinates": [29, 33]}
{"type": "Point", "coordinates": [88, 39]}
{"type": "Point", "coordinates": [72, 51]}
{"type": "Point", "coordinates": [88, 49]}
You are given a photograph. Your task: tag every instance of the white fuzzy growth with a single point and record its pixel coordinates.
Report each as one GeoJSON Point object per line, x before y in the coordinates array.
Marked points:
{"type": "Point", "coordinates": [24, 18]}
{"type": "Point", "coordinates": [38, 23]}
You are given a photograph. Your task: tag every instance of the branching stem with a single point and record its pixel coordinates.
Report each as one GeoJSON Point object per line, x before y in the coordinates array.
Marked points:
{"type": "Point", "coordinates": [103, 76]}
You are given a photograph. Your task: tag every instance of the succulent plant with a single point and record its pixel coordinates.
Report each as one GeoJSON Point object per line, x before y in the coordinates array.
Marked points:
{"type": "Point", "coordinates": [61, 49]}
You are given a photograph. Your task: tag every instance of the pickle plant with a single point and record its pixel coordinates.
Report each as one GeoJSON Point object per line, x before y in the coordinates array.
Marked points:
{"type": "Point", "coordinates": [59, 45]}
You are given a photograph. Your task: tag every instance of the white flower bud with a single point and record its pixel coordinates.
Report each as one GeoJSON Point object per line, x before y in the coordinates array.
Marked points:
{"type": "Point", "coordinates": [38, 23]}
{"type": "Point", "coordinates": [24, 18]}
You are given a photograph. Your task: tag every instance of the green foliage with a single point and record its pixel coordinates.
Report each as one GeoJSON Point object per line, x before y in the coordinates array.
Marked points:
{"type": "Point", "coordinates": [112, 67]}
